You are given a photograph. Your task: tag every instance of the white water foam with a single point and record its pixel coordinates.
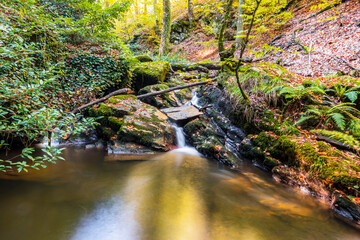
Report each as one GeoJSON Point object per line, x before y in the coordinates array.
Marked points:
{"type": "Point", "coordinates": [194, 100]}
{"type": "Point", "coordinates": [180, 142]}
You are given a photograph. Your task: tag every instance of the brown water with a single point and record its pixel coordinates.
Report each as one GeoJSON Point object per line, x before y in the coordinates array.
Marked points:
{"type": "Point", "coordinates": [174, 196]}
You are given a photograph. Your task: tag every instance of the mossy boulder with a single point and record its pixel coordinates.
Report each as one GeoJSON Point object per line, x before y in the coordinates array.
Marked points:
{"type": "Point", "coordinates": [130, 120]}
{"type": "Point", "coordinates": [318, 158]}
{"type": "Point", "coordinates": [160, 101]}
{"type": "Point", "coordinates": [204, 139]}
{"type": "Point", "coordinates": [149, 73]}
{"type": "Point", "coordinates": [184, 95]}
{"type": "Point", "coordinates": [144, 58]}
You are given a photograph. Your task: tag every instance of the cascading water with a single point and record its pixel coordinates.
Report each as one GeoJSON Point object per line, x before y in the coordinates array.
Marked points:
{"type": "Point", "coordinates": [194, 100]}
{"type": "Point", "coordinates": [180, 136]}
{"type": "Point", "coordinates": [180, 142]}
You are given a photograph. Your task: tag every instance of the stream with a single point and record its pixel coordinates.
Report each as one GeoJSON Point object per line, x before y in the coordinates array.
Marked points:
{"type": "Point", "coordinates": [176, 195]}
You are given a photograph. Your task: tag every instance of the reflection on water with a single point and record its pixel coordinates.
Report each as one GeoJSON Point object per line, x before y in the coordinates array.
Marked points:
{"type": "Point", "coordinates": [174, 197]}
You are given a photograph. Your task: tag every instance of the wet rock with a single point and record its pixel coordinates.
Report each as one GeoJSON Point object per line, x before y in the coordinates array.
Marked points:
{"type": "Point", "coordinates": [129, 120]}
{"type": "Point", "coordinates": [182, 114]}
{"type": "Point", "coordinates": [164, 100]}
{"type": "Point", "coordinates": [119, 147]}
{"type": "Point", "coordinates": [183, 95]}
{"type": "Point", "coordinates": [345, 207]}
{"type": "Point", "coordinates": [204, 139]}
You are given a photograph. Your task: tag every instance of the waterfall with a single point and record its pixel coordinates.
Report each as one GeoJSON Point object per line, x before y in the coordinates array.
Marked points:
{"type": "Point", "coordinates": [194, 100]}
{"type": "Point", "coordinates": [180, 142]}
{"type": "Point", "coordinates": [180, 136]}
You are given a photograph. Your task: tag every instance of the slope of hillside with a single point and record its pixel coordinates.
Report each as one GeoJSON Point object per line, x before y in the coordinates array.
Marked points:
{"type": "Point", "coordinates": [324, 44]}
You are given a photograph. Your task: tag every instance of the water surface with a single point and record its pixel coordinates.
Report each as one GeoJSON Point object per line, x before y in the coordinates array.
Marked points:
{"type": "Point", "coordinates": [172, 196]}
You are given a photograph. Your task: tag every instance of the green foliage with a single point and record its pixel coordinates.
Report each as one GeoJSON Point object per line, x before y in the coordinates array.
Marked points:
{"type": "Point", "coordinates": [338, 115]}
{"type": "Point", "coordinates": [51, 155]}
{"type": "Point", "coordinates": [40, 83]}
{"type": "Point", "coordinates": [91, 71]}
{"type": "Point", "coordinates": [343, 92]}
{"type": "Point", "coordinates": [300, 92]}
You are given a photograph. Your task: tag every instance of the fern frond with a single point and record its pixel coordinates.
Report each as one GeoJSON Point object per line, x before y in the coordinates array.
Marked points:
{"type": "Point", "coordinates": [352, 96]}
{"type": "Point", "coordinates": [316, 90]}
{"type": "Point", "coordinates": [313, 111]}
{"type": "Point", "coordinates": [303, 119]}
{"type": "Point", "coordinates": [338, 119]}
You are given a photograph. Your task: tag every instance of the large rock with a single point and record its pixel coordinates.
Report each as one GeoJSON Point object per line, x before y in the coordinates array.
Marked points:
{"type": "Point", "coordinates": [203, 137]}
{"type": "Point", "coordinates": [149, 73]}
{"type": "Point", "coordinates": [129, 120]}
{"type": "Point", "coordinates": [164, 100]}
{"type": "Point", "coordinates": [182, 114]}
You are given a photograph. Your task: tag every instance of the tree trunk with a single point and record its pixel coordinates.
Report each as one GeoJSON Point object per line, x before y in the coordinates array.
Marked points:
{"type": "Point", "coordinates": [258, 2]}
{"type": "Point", "coordinates": [157, 29]}
{"type": "Point", "coordinates": [223, 27]}
{"type": "Point", "coordinates": [239, 25]}
{"type": "Point", "coordinates": [165, 32]}
{"type": "Point", "coordinates": [145, 7]}
{"type": "Point", "coordinates": [136, 7]}
{"type": "Point", "coordinates": [191, 13]}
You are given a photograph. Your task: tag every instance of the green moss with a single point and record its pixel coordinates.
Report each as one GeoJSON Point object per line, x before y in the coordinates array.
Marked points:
{"type": "Point", "coordinates": [106, 132]}
{"type": "Point", "coordinates": [264, 141]}
{"type": "Point", "coordinates": [183, 94]}
{"type": "Point", "coordinates": [123, 97]}
{"type": "Point", "coordinates": [101, 110]}
{"type": "Point", "coordinates": [113, 100]}
{"type": "Point", "coordinates": [153, 88]}
{"type": "Point", "coordinates": [149, 73]}
{"type": "Point", "coordinates": [287, 149]}
{"type": "Point", "coordinates": [106, 111]}
{"type": "Point", "coordinates": [271, 162]}
{"type": "Point", "coordinates": [308, 154]}
{"type": "Point", "coordinates": [194, 126]}
{"type": "Point", "coordinates": [144, 58]}
{"type": "Point", "coordinates": [115, 123]}
{"type": "Point", "coordinates": [268, 122]}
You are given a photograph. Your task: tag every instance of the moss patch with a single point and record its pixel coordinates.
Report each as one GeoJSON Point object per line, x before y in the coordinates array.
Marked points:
{"type": "Point", "coordinates": [149, 73]}
{"type": "Point", "coordinates": [144, 58]}
{"type": "Point", "coordinates": [206, 142]}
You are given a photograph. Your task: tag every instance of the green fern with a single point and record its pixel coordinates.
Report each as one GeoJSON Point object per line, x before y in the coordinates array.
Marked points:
{"type": "Point", "coordinates": [339, 115]}
{"type": "Point", "coordinates": [352, 96]}
{"type": "Point", "coordinates": [343, 91]}
{"type": "Point", "coordinates": [338, 119]}
{"type": "Point", "coordinates": [299, 92]}
{"type": "Point", "coordinates": [304, 119]}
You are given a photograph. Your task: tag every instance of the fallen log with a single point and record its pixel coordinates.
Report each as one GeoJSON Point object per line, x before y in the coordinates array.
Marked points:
{"type": "Point", "coordinates": [117, 92]}
{"type": "Point", "coordinates": [337, 144]}
{"type": "Point", "coordinates": [189, 67]}
{"type": "Point", "coordinates": [297, 41]}
{"type": "Point", "coordinates": [347, 64]}
{"type": "Point", "coordinates": [342, 60]}
{"type": "Point", "coordinates": [328, 7]}
{"type": "Point", "coordinates": [201, 67]}
{"type": "Point", "coordinates": [172, 89]}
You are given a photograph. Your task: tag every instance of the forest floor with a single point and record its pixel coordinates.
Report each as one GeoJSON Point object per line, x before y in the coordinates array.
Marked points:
{"type": "Point", "coordinates": [332, 37]}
